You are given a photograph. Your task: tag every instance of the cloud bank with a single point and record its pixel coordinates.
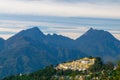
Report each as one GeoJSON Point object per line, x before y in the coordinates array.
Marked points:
{"type": "Point", "coordinates": [59, 16]}
{"type": "Point", "coordinates": [67, 28]}
{"type": "Point", "coordinates": [66, 8]}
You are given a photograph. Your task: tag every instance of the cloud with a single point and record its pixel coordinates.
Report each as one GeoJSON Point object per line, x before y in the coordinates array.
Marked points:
{"type": "Point", "coordinates": [9, 28]}
{"type": "Point", "coordinates": [23, 14]}
{"type": "Point", "coordinates": [76, 1]}
{"type": "Point", "coordinates": [68, 26]}
{"type": "Point", "coordinates": [116, 36]}
{"type": "Point", "coordinates": [65, 8]}
{"type": "Point", "coordinates": [115, 31]}
{"type": "Point", "coordinates": [72, 33]}
{"type": "Point", "coordinates": [5, 36]}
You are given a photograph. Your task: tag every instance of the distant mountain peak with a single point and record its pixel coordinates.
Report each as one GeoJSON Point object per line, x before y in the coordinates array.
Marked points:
{"type": "Point", "coordinates": [94, 30]}
{"type": "Point", "coordinates": [33, 29]}
{"type": "Point", "coordinates": [96, 34]}
{"type": "Point", "coordinates": [32, 33]}
{"type": "Point", "coordinates": [91, 29]}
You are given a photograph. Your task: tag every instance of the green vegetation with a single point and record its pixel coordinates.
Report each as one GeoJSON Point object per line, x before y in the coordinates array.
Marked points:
{"type": "Point", "coordinates": [99, 71]}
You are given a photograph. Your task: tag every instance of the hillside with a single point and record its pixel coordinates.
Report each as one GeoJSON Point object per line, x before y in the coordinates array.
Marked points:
{"type": "Point", "coordinates": [105, 72]}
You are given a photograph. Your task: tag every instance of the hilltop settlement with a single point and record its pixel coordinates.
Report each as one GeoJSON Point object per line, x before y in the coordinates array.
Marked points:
{"type": "Point", "coordinates": [80, 65]}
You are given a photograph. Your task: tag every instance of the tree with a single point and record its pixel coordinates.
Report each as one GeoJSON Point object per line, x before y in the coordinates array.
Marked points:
{"type": "Point", "coordinates": [109, 66]}
{"type": "Point", "coordinates": [98, 65]}
{"type": "Point", "coordinates": [118, 66]}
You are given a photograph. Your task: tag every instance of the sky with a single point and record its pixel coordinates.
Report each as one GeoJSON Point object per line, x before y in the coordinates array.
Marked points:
{"type": "Point", "coordinates": [70, 18]}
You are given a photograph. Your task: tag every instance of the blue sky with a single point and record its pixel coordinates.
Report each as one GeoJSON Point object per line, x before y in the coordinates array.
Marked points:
{"type": "Point", "coordinates": [67, 17]}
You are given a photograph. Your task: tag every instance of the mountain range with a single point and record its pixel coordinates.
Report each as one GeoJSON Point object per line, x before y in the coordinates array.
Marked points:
{"type": "Point", "coordinates": [30, 50]}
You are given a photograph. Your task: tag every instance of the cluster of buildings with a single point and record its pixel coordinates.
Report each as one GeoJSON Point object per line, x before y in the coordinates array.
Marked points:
{"type": "Point", "coordinates": [80, 65]}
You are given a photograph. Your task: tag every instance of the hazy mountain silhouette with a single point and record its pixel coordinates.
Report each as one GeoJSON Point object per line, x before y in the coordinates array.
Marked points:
{"type": "Point", "coordinates": [99, 43]}
{"type": "Point", "coordinates": [30, 49]}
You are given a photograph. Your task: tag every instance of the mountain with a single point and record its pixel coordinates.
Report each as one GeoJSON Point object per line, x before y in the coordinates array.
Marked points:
{"type": "Point", "coordinates": [22, 38]}
{"type": "Point", "coordinates": [1, 43]}
{"type": "Point", "coordinates": [99, 43]}
{"type": "Point", "coordinates": [59, 41]}
{"type": "Point", "coordinates": [30, 50]}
